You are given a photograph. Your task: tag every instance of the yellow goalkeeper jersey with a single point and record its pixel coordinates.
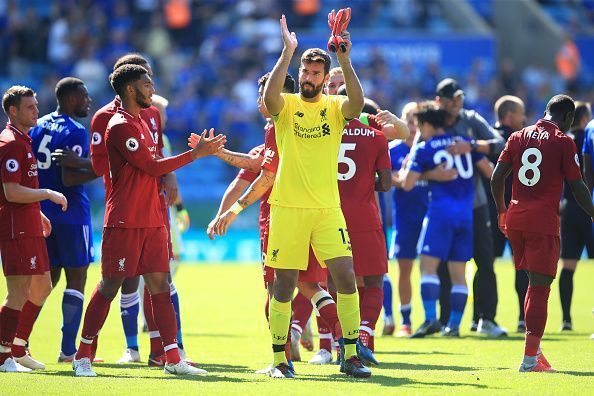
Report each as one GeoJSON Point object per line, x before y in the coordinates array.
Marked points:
{"type": "Point", "coordinates": [308, 137]}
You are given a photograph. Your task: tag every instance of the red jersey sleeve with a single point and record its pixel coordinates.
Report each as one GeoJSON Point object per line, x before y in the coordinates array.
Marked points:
{"type": "Point", "coordinates": [139, 155]}
{"type": "Point", "coordinates": [98, 150]}
{"type": "Point", "coordinates": [506, 154]}
{"type": "Point", "coordinates": [13, 163]}
{"type": "Point", "coordinates": [571, 161]}
{"type": "Point", "coordinates": [382, 160]}
{"type": "Point", "coordinates": [271, 158]}
{"type": "Point", "coordinates": [247, 175]}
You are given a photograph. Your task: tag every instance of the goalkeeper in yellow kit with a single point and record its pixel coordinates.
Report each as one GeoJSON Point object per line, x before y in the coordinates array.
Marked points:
{"type": "Point", "coordinates": [305, 203]}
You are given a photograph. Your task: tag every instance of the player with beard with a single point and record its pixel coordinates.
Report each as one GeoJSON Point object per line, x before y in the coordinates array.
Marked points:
{"type": "Point", "coordinates": [25, 261]}
{"type": "Point", "coordinates": [310, 293]}
{"type": "Point", "coordinates": [70, 245]}
{"type": "Point", "coordinates": [130, 298]}
{"type": "Point", "coordinates": [305, 193]}
{"type": "Point", "coordinates": [135, 237]}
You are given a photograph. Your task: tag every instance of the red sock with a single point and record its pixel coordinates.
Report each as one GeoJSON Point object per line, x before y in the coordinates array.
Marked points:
{"type": "Point", "coordinates": [95, 316]}
{"type": "Point", "coordinates": [536, 302]}
{"type": "Point", "coordinates": [26, 321]}
{"type": "Point", "coordinates": [301, 312]}
{"type": "Point", "coordinates": [371, 308]}
{"type": "Point", "coordinates": [154, 335]}
{"type": "Point", "coordinates": [164, 315]}
{"type": "Point", "coordinates": [329, 314]}
{"type": "Point", "coordinates": [324, 334]}
{"type": "Point", "coordinates": [9, 320]}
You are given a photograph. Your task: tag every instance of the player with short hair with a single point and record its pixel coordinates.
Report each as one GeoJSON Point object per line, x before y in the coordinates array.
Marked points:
{"type": "Point", "coordinates": [70, 245]}
{"type": "Point", "coordinates": [447, 228]}
{"type": "Point", "coordinates": [135, 237]}
{"type": "Point", "coordinates": [130, 298]}
{"type": "Point", "coordinates": [480, 137]}
{"type": "Point", "coordinates": [23, 226]}
{"type": "Point", "coordinates": [540, 157]}
{"type": "Point", "coordinates": [408, 209]}
{"type": "Point", "coordinates": [305, 195]}
{"type": "Point", "coordinates": [364, 155]}
{"type": "Point", "coordinates": [576, 226]}
{"type": "Point", "coordinates": [310, 293]}
{"type": "Point", "coordinates": [511, 116]}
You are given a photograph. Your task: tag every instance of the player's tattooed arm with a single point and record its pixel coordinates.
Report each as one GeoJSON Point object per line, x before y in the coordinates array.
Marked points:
{"type": "Point", "coordinates": [383, 182]}
{"type": "Point", "coordinates": [231, 195]}
{"type": "Point", "coordinates": [440, 173]}
{"type": "Point", "coordinates": [249, 162]}
{"type": "Point", "coordinates": [351, 108]}
{"type": "Point", "coordinates": [582, 195]}
{"type": "Point", "coordinates": [256, 190]}
{"type": "Point", "coordinates": [501, 172]}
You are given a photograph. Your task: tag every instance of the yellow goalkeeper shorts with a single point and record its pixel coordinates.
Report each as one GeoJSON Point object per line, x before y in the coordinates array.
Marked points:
{"type": "Point", "coordinates": [293, 230]}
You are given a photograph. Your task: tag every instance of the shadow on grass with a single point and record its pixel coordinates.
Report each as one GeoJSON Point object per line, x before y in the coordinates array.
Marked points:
{"type": "Point", "coordinates": [216, 335]}
{"type": "Point", "coordinates": [578, 373]}
{"type": "Point", "coordinates": [393, 381]}
{"type": "Point", "coordinates": [214, 367]}
{"type": "Point", "coordinates": [518, 337]}
{"type": "Point", "coordinates": [421, 367]}
{"type": "Point", "coordinates": [165, 377]}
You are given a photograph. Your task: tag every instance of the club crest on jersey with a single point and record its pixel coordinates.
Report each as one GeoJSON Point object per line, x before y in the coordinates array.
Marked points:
{"type": "Point", "coordinates": [33, 262]}
{"type": "Point", "coordinates": [12, 165]}
{"type": "Point", "coordinates": [132, 144]}
{"type": "Point", "coordinates": [274, 255]}
{"type": "Point", "coordinates": [95, 138]}
{"type": "Point", "coordinates": [324, 114]}
{"type": "Point", "coordinates": [121, 263]}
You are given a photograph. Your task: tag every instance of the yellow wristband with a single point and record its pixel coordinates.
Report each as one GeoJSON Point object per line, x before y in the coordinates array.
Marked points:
{"type": "Point", "coordinates": [236, 208]}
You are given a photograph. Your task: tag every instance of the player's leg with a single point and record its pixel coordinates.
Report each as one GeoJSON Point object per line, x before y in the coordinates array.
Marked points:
{"type": "Point", "coordinates": [39, 290]}
{"type": "Point", "coordinates": [459, 296]}
{"type": "Point", "coordinates": [445, 283]}
{"type": "Point", "coordinates": [280, 313]}
{"type": "Point", "coordinates": [129, 309]}
{"type": "Point", "coordinates": [487, 282]}
{"type": "Point", "coordinates": [17, 294]}
{"type": "Point", "coordinates": [430, 289]}
{"type": "Point", "coordinates": [72, 309]}
{"type": "Point", "coordinates": [176, 307]}
{"type": "Point", "coordinates": [574, 237]}
{"type": "Point", "coordinates": [370, 309]}
{"type": "Point", "coordinates": [388, 307]}
{"type": "Point", "coordinates": [521, 285]}
{"type": "Point", "coordinates": [405, 294]}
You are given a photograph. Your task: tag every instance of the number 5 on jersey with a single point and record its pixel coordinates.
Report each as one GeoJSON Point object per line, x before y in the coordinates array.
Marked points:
{"type": "Point", "coordinates": [342, 158]}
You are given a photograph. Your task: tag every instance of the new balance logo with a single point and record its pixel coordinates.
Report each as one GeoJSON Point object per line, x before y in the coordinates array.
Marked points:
{"type": "Point", "coordinates": [33, 262]}
{"type": "Point", "coordinates": [121, 263]}
{"type": "Point", "coordinates": [299, 114]}
{"type": "Point", "coordinates": [274, 255]}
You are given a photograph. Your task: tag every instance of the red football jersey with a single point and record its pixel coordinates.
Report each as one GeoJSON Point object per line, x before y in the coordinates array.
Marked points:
{"type": "Point", "coordinates": [19, 165]}
{"type": "Point", "coordinates": [250, 177]}
{"type": "Point", "coordinates": [363, 151]}
{"type": "Point", "coordinates": [99, 125]}
{"type": "Point", "coordinates": [542, 158]}
{"type": "Point", "coordinates": [133, 199]}
{"type": "Point", "coordinates": [270, 161]}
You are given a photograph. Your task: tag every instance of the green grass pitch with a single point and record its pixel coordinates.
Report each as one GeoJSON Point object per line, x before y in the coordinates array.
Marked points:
{"type": "Point", "coordinates": [225, 331]}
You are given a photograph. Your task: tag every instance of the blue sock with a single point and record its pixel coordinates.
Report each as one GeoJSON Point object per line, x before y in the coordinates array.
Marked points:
{"type": "Point", "coordinates": [430, 294]}
{"type": "Point", "coordinates": [405, 311]}
{"type": "Point", "coordinates": [129, 307]}
{"type": "Point", "coordinates": [72, 308]}
{"type": "Point", "coordinates": [175, 302]}
{"type": "Point", "coordinates": [458, 303]}
{"type": "Point", "coordinates": [387, 296]}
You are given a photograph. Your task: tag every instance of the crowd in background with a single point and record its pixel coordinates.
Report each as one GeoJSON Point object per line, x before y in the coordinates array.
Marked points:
{"type": "Point", "coordinates": [208, 55]}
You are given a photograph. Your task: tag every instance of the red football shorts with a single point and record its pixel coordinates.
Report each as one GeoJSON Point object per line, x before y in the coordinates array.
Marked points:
{"type": "Point", "coordinates": [127, 252]}
{"type": "Point", "coordinates": [314, 272]}
{"type": "Point", "coordinates": [24, 256]}
{"type": "Point", "coordinates": [370, 255]}
{"type": "Point", "coordinates": [535, 252]}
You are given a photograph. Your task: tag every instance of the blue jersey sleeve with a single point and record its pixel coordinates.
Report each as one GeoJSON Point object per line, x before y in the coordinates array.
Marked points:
{"type": "Point", "coordinates": [78, 141]}
{"type": "Point", "coordinates": [417, 161]}
{"type": "Point", "coordinates": [587, 146]}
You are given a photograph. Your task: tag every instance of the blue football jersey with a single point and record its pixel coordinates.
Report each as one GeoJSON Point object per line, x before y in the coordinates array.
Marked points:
{"type": "Point", "coordinates": [58, 131]}
{"type": "Point", "coordinates": [451, 198]}
{"type": "Point", "coordinates": [588, 146]}
{"type": "Point", "coordinates": [414, 202]}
